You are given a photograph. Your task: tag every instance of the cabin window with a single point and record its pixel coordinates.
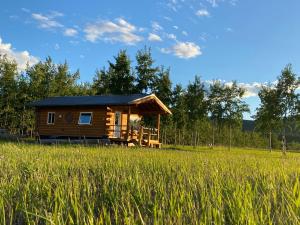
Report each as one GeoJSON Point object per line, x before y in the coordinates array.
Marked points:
{"type": "Point", "coordinates": [51, 118]}
{"type": "Point", "coordinates": [85, 118]}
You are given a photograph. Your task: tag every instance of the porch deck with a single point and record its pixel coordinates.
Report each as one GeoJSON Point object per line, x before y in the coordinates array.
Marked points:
{"type": "Point", "coordinates": [143, 136]}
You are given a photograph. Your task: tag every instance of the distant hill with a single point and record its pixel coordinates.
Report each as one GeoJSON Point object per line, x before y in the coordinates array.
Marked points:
{"type": "Point", "coordinates": [292, 130]}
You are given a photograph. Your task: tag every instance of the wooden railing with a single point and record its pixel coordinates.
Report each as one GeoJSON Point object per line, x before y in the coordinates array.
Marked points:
{"type": "Point", "coordinates": [118, 131]}
{"type": "Point", "coordinates": [142, 135]}
{"type": "Point", "coordinates": [147, 135]}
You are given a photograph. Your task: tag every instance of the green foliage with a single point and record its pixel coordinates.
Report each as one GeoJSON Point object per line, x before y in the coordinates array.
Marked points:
{"type": "Point", "coordinates": [8, 92]}
{"type": "Point", "coordinates": [288, 83]}
{"type": "Point", "coordinates": [121, 79]}
{"type": "Point", "coordinates": [215, 102]}
{"type": "Point", "coordinates": [234, 106]}
{"type": "Point", "coordinates": [163, 86]}
{"type": "Point", "coordinates": [268, 114]}
{"type": "Point", "coordinates": [146, 72]}
{"type": "Point", "coordinates": [101, 82]}
{"type": "Point", "coordinates": [279, 105]}
{"type": "Point", "coordinates": [178, 106]}
{"type": "Point", "coordinates": [209, 114]}
{"type": "Point", "coordinates": [17, 90]}
{"type": "Point", "coordinates": [79, 185]}
{"type": "Point", "coordinates": [196, 104]}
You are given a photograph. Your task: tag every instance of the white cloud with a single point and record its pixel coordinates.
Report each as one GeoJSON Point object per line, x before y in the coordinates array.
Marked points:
{"type": "Point", "coordinates": [215, 3]}
{"type": "Point", "coordinates": [47, 22]}
{"type": "Point", "coordinates": [142, 29]}
{"type": "Point", "coordinates": [118, 31]}
{"type": "Point", "coordinates": [184, 50]}
{"type": "Point", "coordinates": [172, 36]}
{"type": "Point", "coordinates": [70, 32]}
{"type": "Point", "coordinates": [251, 89]}
{"type": "Point", "coordinates": [156, 26]}
{"type": "Point", "coordinates": [184, 33]}
{"type": "Point", "coordinates": [174, 5]}
{"type": "Point", "coordinates": [21, 58]}
{"type": "Point", "coordinates": [175, 27]}
{"type": "Point", "coordinates": [202, 13]}
{"type": "Point", "coordinates": [154, 37]}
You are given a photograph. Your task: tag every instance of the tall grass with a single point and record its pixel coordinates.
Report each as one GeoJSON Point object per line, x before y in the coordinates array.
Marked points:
{"type": "Point", "coordinates": [85, 185]}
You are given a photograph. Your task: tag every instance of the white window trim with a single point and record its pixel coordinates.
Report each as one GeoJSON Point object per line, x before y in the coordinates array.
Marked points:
{"type": "Point", "coordinates": [91, 121]}
{"type": "Point", "coordinates": [48, 118]}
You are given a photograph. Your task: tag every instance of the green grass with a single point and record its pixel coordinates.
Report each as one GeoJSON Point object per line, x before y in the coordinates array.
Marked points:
{"type": "Point", "coordinates": [89, 185]}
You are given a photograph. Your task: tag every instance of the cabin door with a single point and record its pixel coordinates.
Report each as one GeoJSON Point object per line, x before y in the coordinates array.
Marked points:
{"type": "Point", "coordinates": [118, 124]}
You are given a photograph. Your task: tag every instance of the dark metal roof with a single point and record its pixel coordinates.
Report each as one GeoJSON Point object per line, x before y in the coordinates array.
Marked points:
{"type": "Point", "coordinates": [101, 100]}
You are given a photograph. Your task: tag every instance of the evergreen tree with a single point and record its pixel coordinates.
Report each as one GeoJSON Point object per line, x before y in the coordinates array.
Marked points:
{"type": "Point", "coordinates": [41, 77]}
{"type": "Point", "coordinates": [196, 104]}
{"type": "Point", "coordinates": [178, 107]}
{"type": "Point", "coordinates": [120, 75]}
{"type": "Point", "coordinates": [101, 82]}
{"type": "Point", "coordinates": [64, 82]}
{"type": "Point", "coordinates": [25, 116]}
{"type": "Point", "coordinates": [49, 79]}
{"type": "Point", "coordinates": [163, 85]}
{"type": "Point", "coordinates": [145, 71]}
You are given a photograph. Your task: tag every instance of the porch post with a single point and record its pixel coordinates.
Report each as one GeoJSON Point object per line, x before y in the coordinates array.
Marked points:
{"type": "Point", "coordinates": [128, 122]}
{"type": "Point", "coordinates": [158, 125]}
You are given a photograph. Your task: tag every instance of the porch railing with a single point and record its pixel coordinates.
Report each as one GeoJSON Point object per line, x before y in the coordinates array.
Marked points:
{"type": "Point", "coordinates": [141, 134]}
{"type": "Point", "coordinates": [148, 135]}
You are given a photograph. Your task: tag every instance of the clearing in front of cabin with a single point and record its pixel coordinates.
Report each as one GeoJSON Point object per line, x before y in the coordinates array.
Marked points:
{"type": "Point", "coordinates": [91, 185]}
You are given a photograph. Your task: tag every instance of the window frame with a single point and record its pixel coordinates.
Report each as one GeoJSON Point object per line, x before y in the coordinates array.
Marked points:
{"type": "Point", "coordinates": [51, 113]}
{"type": "Point", "coordinates": [91, 120]}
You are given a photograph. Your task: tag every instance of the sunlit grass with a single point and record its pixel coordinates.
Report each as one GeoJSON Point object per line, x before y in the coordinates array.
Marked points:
{"type": "Point", "coordinates": [91, 185]}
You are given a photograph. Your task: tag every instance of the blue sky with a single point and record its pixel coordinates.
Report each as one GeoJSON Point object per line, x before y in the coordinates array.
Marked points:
{"type": "Point", "coordinates": [243, 40]}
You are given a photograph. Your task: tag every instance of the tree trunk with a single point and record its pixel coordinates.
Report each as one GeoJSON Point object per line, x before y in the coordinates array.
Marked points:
{"type": "Point", "coordinates": [175, 137]}
{"type": "Point", "coordinates": [284, 137]}
{"type": "Point", "coordinates": [270, 141]}
{"type": "Point", "coordinates": [230, 137]}
{"type": "Point", "coordinates": [284, 144]}
{"type": "Point", "coordinates": [213, 136]}
{"type": "Point", "coordinates": [195, 139]}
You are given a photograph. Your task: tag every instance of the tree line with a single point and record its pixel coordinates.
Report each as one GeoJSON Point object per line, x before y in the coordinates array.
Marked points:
{"type": "Point", "coordinates": [202, 115]}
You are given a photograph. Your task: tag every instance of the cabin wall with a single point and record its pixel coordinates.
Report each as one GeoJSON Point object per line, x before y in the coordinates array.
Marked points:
{"type": "Point", "coordinates": [110, 120]}
{"type": "Point", "coordinates": [64, 126]}
{"type": "Point", "coordinates": [103, 121]}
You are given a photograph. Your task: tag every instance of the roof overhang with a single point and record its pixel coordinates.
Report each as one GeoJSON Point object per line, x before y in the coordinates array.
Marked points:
{"type": "Point", "coordinates": [150, 98]}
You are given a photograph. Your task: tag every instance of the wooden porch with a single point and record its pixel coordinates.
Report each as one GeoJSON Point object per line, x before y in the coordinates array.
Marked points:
{"type": "Point", "coordinates": [119, 126]}
{"type": "Point", "coordinates": [132, 136]}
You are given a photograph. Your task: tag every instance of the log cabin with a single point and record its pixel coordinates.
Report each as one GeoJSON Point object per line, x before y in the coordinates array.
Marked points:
{"type": "Point", "coordinates": [114, 117]}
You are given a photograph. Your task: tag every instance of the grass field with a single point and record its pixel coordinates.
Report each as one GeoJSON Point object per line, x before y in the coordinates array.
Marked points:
{"type": "Point", "coordinates": [90, 185]}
